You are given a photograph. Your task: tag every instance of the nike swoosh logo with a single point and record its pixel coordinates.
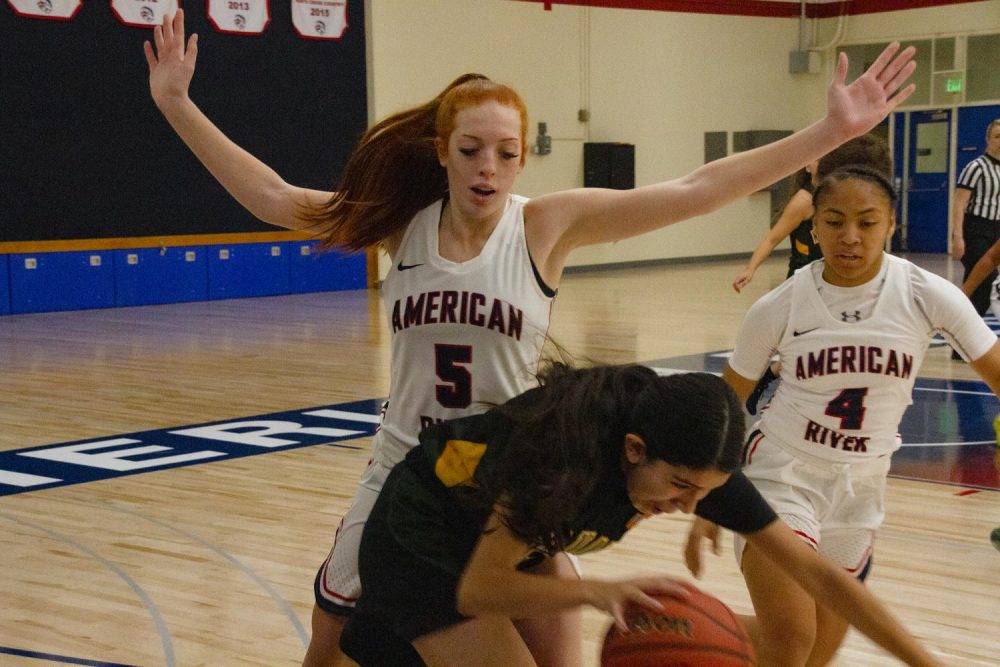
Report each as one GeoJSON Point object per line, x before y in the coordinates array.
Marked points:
{"type": "Point", "coordinates": [407, 267]}
{"type": "Point", "coordinates": [799, 333]}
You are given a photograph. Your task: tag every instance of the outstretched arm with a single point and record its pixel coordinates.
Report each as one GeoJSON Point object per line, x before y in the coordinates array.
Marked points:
{"type": "Point", "coordinates": [491, 584]}
{"type": "Point", "coordinates": [565, 220]}
{"type": "Point", "coordinates": [799, 208]}
{"type": "Point", "coordinates": [251, 182]}
{"type": "Point", "coordinates": [846, 596]}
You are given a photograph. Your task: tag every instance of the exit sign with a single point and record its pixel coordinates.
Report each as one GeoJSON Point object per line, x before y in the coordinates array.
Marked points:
{"type": "Point", "coordinates": [953, 85]}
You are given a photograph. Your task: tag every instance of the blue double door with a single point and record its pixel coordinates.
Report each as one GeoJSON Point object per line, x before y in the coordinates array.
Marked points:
{"type": "Point", "coordinates": [922, 149]}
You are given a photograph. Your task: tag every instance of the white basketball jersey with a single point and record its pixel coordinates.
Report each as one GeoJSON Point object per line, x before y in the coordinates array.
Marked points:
{"type": "Point", "coordinates": [845, 384]}
{"type": "Point", "coordinates": [462, 333]}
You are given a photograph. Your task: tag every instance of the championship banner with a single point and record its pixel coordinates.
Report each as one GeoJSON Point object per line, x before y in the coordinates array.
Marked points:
{"type": "Point", "coordinates": [54, 10]}
{"type": "Point", "coordinates": [143, 13]}
{"type": "Point", "coordinates": [240, 17]}
{"type": "Point", "coordinates": [319, 19]}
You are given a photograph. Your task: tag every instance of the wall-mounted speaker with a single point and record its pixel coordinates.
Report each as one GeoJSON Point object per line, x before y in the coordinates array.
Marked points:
{"type": "Point", "coordinates": [609, 165]}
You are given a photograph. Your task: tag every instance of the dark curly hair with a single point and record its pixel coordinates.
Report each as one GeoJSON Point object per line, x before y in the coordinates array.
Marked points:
{"type": "Point", "coordinates": [868, 149]}
{"type": "Point", "coordinates": [570, 431]}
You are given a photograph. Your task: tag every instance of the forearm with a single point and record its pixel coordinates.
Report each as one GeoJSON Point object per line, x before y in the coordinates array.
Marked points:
{"type": "Point", "coordinates": [959, 202]}
{"type": "Point", "coordinates": [762, 252]}
{"type": "Point", "coordinates": [251, 182]}
{"type": "Point", "coordinates": [853, 602]}
{"type": "Point", "coordinates": [593, 215]}
{"type": "Point", "coordinates": [983, 268]}
{"type": "Point", "coordinates": [750, 171]}
{"type": "Point", "coordinates": [844, 595]}
{"type": "Point", "coordinates": [517, 594]}
{"type": "Point", "coordinates": [741, 385]}
{"type": "Point", "coordinates": [957, 220]}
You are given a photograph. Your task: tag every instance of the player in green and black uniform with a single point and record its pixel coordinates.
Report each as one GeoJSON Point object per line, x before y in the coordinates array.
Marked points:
{"type": "Point", "coordinates": [448, 552]}
{"type": "Point", "coordinates": [804, 249]}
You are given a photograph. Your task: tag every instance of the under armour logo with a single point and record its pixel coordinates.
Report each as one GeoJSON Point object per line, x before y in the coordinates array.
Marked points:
{"type": "Point", "coordinates": [850, 317]}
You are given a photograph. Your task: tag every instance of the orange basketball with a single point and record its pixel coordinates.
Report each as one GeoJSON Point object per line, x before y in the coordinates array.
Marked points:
{"type": "Point", "coordinates": [699, 631]}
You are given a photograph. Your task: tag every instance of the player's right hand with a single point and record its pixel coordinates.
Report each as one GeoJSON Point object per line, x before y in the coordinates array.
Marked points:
{"type": "Point", "coordinates": [614, 597]}
{"type": "Point", "coordinates": [171, 66]}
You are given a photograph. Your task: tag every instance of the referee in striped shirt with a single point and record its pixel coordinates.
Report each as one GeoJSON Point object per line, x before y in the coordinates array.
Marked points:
{"type": "Point", "coordinates": [975, 213]}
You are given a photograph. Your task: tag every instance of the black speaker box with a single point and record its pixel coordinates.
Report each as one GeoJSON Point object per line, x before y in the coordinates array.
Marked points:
{"type": "Point", "coordinates": [609, 165]}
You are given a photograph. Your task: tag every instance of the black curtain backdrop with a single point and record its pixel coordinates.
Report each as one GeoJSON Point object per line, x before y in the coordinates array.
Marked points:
{"type": "Point", "coordinates": [84, 153]}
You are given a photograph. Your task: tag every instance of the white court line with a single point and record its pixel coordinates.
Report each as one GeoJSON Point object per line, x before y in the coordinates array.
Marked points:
{"type": "Point", "coordinates": [956, 391]}
{"type": "Point", "coordinates": [169, 657]}
{"type": "Point", "coordinates": [346, 416]}
{"type": "Point", "coordinates": [949, 444]}
{"type": "Point", "coordinates": [279, 600]}
{"type": "Point", "coordinates": [23, 479]}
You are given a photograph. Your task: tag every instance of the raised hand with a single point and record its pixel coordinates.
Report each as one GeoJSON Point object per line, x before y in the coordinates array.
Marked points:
{"type": "Point", "coordinates": [615, 597]}
{"type": "Point", "coordinates": [860, 106]}
{"type": "Point", "coordinates": [171, 66]}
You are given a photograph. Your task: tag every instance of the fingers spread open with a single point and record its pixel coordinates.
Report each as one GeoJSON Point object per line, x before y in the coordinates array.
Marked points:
{"type": "Point", "coordinates": [192, 52]}
{"type": "Point", "coordinates": [147, 48]}
{"type": "Point", "coordinates": [179, 27]}
{"type": "Point", "coordinates": [840, 74]}
{"type": "Point", "coordinates": [893, 85]}
{"type": "Point", "coordinates": [900, 62]}
{"type": "Point", "coordinates": [884, 59]}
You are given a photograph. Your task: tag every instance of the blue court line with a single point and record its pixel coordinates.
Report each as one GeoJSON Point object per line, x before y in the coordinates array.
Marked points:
{"type": "Point", "coordinates": [64, 659]}
{"type": "Point", "coordinates": [52, 657]}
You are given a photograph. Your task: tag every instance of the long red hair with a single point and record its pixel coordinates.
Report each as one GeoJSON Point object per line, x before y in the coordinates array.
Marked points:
{"type": "Point", "coordinates": [394, 171]}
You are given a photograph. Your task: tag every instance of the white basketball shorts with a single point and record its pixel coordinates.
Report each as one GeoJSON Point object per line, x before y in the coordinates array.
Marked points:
{"type": "Point", "coordinates": [338, 584]}
{"type": "Point", "coordinates": [834, 507]}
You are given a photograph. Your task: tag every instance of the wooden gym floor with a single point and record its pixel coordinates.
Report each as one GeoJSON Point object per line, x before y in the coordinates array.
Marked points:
{"type": "Point", "coordinates": [122, 559]}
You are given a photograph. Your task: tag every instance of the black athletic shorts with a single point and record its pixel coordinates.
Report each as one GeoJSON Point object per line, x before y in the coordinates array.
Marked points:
{"type": "Point", "coordinates": [410, 593]}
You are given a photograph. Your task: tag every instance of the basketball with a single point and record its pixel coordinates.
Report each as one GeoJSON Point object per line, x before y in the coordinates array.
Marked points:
{"type": "Point", "coordinates": [699, 631]}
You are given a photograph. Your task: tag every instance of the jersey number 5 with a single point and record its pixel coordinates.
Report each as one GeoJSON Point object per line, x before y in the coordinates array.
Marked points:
{"type": "Point", "coordinates": [849, 407]}
{"type": "Point", "coordinates": [449, 365]}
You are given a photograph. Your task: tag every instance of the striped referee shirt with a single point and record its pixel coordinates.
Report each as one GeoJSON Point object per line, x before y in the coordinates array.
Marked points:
{"type": "Point", "coordinates": [982, 178]}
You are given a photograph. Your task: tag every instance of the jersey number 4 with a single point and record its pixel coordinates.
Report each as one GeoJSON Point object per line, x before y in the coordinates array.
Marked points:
{"type": "Point", "coordinates": [849, 407]}
{"type": "Point", "coordinates": [450, 365]}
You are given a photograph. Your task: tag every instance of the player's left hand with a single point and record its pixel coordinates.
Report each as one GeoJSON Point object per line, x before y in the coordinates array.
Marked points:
{"type": "Point", "coordinates": [701, 529]}
{"type": "Point", "coordinates": [860, 106]}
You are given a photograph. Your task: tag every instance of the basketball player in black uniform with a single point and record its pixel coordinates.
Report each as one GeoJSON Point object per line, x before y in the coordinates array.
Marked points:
{"type": "Point", "coordinates": [447, 554]}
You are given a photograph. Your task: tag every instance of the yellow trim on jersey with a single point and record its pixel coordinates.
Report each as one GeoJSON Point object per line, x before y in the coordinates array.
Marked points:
{"type": "Point", "coordinates": [587, 541]}
{"type": "Point", "coordinates": [458, 462]}
{"type": "Point", "coordinates": [801, 247]}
